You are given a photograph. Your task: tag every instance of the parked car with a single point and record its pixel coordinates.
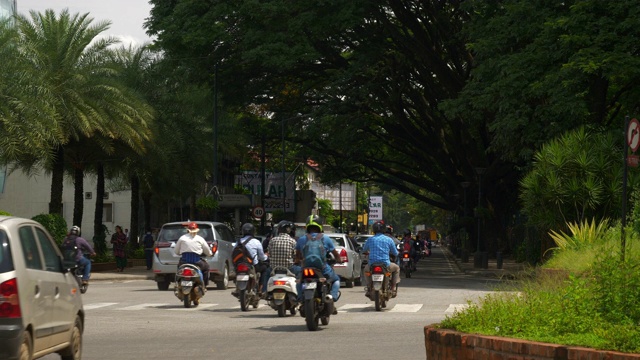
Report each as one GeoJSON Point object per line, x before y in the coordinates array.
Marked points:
{"type": "Point", "coordinates": [218, 236]}
{"type": "Point", "coordinates": [40, 303]}
{"type": "Point", "coordinates": [349, 271]}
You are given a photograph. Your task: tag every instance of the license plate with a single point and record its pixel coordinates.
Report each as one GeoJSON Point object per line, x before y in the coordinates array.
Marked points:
{"type": "Point", "coordinates": [406, 259]}
{"type": "Point", "coordinates": [279, 295]}
{"type": "Point", "coordinates": [242, 278]}
{"type": "Point", "coordinates": [186, 283]}
{"type": "Point", "coordinates": [310, 285]}
{"type": "Point", "coordinates": [377, 277]}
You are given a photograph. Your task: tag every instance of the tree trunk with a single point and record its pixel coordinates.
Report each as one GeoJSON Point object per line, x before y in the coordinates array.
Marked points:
{"type": "Point", "coordinates": [78, 195]}
{"type": "Point", "coordinates": [57, 182]}
{"type": "Point", "coordinates": [99, 238]}
{"type": "Point", "coordinates": [135, 208]}
{"type": "Point", "coordinates": [146, 203]}
{"type": "Point", "coordinates": [192, 206]}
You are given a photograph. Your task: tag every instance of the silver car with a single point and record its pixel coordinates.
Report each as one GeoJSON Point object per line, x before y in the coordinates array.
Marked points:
{"type": "Point", "coordinates": [40, 303]}
{"type": "Point", "coordinates": [217, 235]}
{"type": "Point", "coordinates": [351, 267]}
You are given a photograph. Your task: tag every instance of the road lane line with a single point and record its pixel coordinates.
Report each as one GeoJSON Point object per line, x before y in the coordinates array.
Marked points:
{"type": "Point", "coordinates": [406, 308]}
{"type": "Point", "coordinates": [97, 305]}
{"type": "Point", "coordinates": [455, 307]}
{"type": "Point", "coordinates": [143, 306]}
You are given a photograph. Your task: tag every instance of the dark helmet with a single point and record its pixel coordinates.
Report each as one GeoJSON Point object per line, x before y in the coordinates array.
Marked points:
{"type": "Point", "coordinates": [378, 227]}
{"type": "Point", "coordinates": [75, 230]}
{"type": "Point", "coordinates": [286, 227]}
{"type": "Point", "coordinates": [314, 221]}
{"type": "Point", "coordinates": [407, 232]}
{"type": "Point", "coordinates": [248, 229]}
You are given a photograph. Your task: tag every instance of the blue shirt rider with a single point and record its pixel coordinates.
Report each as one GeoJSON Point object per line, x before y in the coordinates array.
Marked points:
{"type": "Point", "coordinates": [379, 247]}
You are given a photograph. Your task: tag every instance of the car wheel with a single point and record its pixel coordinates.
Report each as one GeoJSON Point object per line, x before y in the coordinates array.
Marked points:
{"type": "Point", "coordinates": [224, 283]}
{"type": "Point", "coordinates": [25, 347]}
{"type": "Point", "coordinates": [163, 285]}
{"type": "Point", "coordinates": [348, 283]}
{"type": "Point", "coordinates": [74, 351]}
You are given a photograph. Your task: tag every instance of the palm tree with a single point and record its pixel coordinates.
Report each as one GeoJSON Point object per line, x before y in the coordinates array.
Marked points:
{"type": "Point", "coordinates": [90, 101]}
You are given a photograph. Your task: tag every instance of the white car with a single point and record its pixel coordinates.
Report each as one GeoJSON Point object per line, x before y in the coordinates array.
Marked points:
{"type": "Point", "coordinates": [40, 303]}
{"type": "Point", "coordinates": [351, 267]}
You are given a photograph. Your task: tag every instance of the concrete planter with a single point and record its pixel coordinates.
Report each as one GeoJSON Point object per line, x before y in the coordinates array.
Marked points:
{"type": "Point", "coordinates": [443, 344]}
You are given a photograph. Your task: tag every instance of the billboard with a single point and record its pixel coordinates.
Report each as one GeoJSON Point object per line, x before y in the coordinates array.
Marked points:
{"type": "Point", "coordinates": [375, 208]}
{"type": "Point", "coordinates": [252, 181]}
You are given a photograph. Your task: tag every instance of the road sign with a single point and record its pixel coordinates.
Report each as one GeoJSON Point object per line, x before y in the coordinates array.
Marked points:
{"type": "Point", "coordinates": [633, 134]}
{"type": "Point", "coordinates": [258, 212]}
{"type": "Point", "coordinates": [633, 160]}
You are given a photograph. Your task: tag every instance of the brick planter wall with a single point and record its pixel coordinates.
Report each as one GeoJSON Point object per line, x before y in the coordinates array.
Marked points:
{"type": "Point", "coordinates": [442, 344]}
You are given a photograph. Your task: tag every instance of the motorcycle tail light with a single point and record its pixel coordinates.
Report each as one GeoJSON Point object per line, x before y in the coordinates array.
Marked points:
{"type": "Point", "coordinates": [405, 255]}
{"type": "Point", "coordinates": [377, 269]}
{"type": "Point", "coordinates": [280, 282]}
{"type": "Point", "coordinates": [309, 272]}
{"type": "Point", "coordinates": [188, 272]}
{"type": "Point", "coordinates": [243, 268]}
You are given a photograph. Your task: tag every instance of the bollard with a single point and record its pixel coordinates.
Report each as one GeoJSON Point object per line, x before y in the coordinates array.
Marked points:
{"type": "Point", "coordinates": [485, 260]}
{"type": "Point", "coordinates": [499, 259]}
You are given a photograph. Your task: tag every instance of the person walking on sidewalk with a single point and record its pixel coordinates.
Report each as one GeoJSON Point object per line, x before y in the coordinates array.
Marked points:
{"type": "Point", "coordinates": [119, 241]}
{"type": "Point", "coordinates": [148, 243]}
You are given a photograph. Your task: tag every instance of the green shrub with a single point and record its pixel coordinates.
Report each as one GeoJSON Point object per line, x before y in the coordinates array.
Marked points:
{"type": "Point", "coordinates": [55, 224]}
{"type": "Point", "coordinates": [4, 213]}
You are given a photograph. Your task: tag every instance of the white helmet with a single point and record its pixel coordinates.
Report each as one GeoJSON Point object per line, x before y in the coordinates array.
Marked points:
{"type": "Point", "coordinates": [75, 230]}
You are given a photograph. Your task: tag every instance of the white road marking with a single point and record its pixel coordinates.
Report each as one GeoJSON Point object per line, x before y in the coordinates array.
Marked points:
{"type": "Point", "coordinates": [199, 307]}
{"type": "Point", "coordinates": [97, 305]}
{"type": "Point", "coordinates": [406, 308]}
{"type": "Point", "coordinates": [346, 307]}
{"type": "Point", "coordinates": [455, 307]}
{"type": "Point", "coordinates": [143, 306]}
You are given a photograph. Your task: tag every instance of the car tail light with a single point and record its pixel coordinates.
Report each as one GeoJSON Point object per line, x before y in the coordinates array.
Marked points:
{"type": "Point", "coordinates": [344, 256]}
{"type": "Point", "coordinates": [214, 247]}
{"type": "Point", "coordinates": [377, 269]}
{"type": "Point", "coordinates": [280, 282]}
{"type": "Point", "coordinates": [9, 301]}
{"type": "Point", "coordinates": [243, 268]}
{"type": "Point", "coordinates": [164, 244]}
{"type": "Point", "coordinates": [308, 272]}
{"type": "Point", "coordinates": [188, 272]}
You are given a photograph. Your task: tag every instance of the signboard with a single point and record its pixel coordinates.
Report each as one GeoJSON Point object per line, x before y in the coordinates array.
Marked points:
{"type": "Point", "coordinates": [375, 208]}
{"type": "Point", "coordinates": [258, 212]}
{"type": "Point", "coordinates": [633, 134]}
{"type": "Point", "coordinates": [633, 160]}
{"type": "Point", "coordinates": [252, 181]}
{"type": "Point", "coordinates": [235, 200]}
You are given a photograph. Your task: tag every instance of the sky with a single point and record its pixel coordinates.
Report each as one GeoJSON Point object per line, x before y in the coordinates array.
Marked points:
{"type": "Point", "coordinates": [126, 16]}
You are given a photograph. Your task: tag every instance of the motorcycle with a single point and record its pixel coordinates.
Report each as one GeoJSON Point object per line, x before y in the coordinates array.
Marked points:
{"type": "Point", "coordinates": [246, 286]}
{"type": "Point", "coordinates": [281, 291]}
{"type": "Point", "coordinates": [407, 264]}
{"type": "Point", "coordinates": [189, 286]}
{"type": "Point", "coordinates": [318, 303]}
{"type": "Point", "coordinates": [380, 291]}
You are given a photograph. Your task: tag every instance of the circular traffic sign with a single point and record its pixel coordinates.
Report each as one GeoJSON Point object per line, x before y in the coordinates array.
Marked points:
{"type": "Point", "coordinates": [633, 134]}
{"type": "Point", "coordinates": [258, 212]}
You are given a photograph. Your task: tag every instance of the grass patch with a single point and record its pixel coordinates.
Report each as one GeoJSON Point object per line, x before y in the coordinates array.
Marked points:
{"type": "Point", "coordinates": [594, 302]}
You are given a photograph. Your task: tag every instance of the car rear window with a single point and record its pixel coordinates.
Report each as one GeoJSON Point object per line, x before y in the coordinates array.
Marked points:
{"type": "Point", "coordinates": [337, 240]}
{"type": "Point", "coordinates": [6, 262]}
{"type": "Point", "coordinates": [173, 232]}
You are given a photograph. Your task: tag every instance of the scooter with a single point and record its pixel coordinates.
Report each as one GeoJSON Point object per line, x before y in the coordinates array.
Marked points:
{"type": "Point", "coordinates": [246, 286]}
{"type": "Point", "coordinates": [282, 294]}
{"type": "Point", "coordinates": [189, 286]}
{"type": "Point", "coordinates": [380, 291]}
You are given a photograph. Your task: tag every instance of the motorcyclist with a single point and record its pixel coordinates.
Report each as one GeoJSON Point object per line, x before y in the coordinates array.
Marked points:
{"type": "Point", "coordinates": [82, 247]}
{"type": "Point", "coordinates": [260, 259]}
{"type": "Point", "coordinates": [282, 248]}
{"type": "Point", "coordinates": [408, 243]}
{"type": "Point", "coordinates": [380, 247]}
{"type": "Point", "coordinates": [314, 229]}
{"type": "Point", "coordinates": [191, 247]}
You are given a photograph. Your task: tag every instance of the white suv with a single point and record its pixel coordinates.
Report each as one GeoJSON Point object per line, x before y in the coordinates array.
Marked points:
{"type": "Point", "coordinates": [40, 303]}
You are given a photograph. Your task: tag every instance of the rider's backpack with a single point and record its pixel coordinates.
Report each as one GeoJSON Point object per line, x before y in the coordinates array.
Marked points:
{"type": "Point", "coordinates": [240, 252]}
{"type": "Point", "coordinates": [406, 245]}
{"type": "Point", "coordinates": [69, 249]}
{"type": "Point", "coordinates": [313, 252]}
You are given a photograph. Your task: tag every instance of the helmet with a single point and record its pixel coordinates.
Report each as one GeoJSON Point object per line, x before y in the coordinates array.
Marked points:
{"type": "Point", "coordinates": [248, 229]}
{"type": "Point", "coordinates": [314, 220]}
{"type": "Point", "coordinates": [192, 227]}
{"type": "Point", "coordinates": [286, 227]}
{"type": "Point", "coordinates": [407, 232]}
{"type": "Point", "coordinates": [75, 230]}
{"type": "Point", "coordinates": [378, 227]}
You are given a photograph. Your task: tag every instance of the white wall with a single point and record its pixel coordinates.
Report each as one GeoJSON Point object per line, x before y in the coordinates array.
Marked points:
{"type": "Point", "coordinates": [27, 197]}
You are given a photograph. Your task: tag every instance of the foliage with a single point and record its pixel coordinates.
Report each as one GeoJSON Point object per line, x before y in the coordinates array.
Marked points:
{"type": "Point", "coordinates": [207, 203]}
{"type": "Point", "coordinates": [104, 258]}
{"type": "Point", "coordinates": [595, 306]}
{"type": "Point", "coordinates": [325, 211]}
{"type": "Point", "coordinates": [55, 224]}
{"type": "Point", "coordinates": [100, 241]}
{"type": "Point", "coordinates": [582, 235]}
{"type": "Point", "coordinates": [574, 177]}
{"type": "Point", "coordinates": [4, 213]}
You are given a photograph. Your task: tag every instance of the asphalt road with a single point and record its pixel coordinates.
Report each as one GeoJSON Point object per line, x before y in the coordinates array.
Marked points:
{"type": "Point", "coordinates": [133, 320]}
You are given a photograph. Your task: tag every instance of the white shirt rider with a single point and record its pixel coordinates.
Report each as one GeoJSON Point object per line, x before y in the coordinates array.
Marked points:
{"type": "Point", "coordinates": [192, 242]}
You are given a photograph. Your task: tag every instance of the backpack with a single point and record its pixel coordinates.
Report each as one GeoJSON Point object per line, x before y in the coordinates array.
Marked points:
{"type": "Point", "coordinates": [240, 252]}
{"type": "Point", "coordinates": [313, 252]}
{"type": "Point", "coordinates": [406, 245]}
{"type": "Point", "coordinates": [69, 249]}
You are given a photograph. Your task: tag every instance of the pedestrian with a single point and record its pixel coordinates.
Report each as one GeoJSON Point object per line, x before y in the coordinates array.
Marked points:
{"type": "Point", "coordinates": [119, 241]}
{"type": "Point", "coordinates": [148, 243]}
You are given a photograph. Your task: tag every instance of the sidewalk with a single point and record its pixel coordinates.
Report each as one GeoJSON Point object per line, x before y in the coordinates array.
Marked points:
{"type": "Point", "coordinates": [130, 273]}
{"type": "Point", "coordinates": [510, 268]}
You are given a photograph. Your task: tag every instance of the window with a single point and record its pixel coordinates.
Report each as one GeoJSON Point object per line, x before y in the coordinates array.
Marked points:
{"type": "Point", "coordinates": [30, 248]}
{"type": "Point", "coordinates": [225, 233]}
{"type": "Point", "coordinates": [107, 213]}
{"type": "Point", "coordinates": [51, 259]}
{"type": "Point", "coordinates": [6, 262]}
